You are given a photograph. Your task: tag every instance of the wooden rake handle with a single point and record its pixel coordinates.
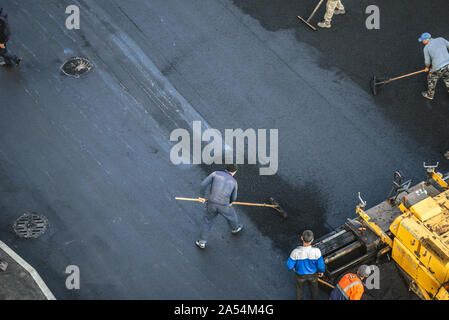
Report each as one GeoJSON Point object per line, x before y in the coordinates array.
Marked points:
{"type": "Point", "coordinates": [256, 204]}
{"type": "Point", "coordinates": [188, 199]}
{"type": "Point", "coordinates": [236, 203]}
{"type": "Point", "coordinates": [326, 283]}
{"type": "Point", "coordinates": [315, 10]}
{"type": "Point", "coordinates": [404, 76]}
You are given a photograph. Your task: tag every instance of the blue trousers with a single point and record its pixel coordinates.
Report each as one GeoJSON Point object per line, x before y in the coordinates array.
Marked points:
{"type": "Point", "coordinates": [212, 211]}
{"type": "Point", "coordinates": [336, 295]}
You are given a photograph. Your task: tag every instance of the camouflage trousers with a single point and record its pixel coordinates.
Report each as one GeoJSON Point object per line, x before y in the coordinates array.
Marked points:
{"type": "Point", "coordinates": [330, 9]}
{"type": "Point", "coordinates": [434, 76]}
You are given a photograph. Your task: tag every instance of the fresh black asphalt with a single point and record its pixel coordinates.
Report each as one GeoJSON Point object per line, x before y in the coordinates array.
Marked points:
{"type": "Point", "coordinates": [92, 154]}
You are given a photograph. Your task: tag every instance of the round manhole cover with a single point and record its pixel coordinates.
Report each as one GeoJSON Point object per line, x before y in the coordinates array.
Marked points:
{"type": "Point", "coordinates": [76, 66]}
{"type": "Point", "coordinates": [30, 225]}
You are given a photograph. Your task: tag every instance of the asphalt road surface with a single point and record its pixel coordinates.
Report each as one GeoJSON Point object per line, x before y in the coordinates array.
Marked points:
{"type": "Point", "coordinates": [93, 154]}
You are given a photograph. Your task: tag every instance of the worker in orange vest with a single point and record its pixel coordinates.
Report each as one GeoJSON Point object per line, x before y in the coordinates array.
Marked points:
{"type": "Point", "coordinates": [351, 286]}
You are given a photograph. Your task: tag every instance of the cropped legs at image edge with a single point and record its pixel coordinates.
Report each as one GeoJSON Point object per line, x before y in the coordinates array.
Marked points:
{"type": "Point", "coordinates": [333, 7]}
{"type": "Point", "coordinates": [5, 33]}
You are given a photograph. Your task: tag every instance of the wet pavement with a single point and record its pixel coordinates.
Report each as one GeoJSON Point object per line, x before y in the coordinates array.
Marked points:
{"type": "Point", "coordinates": [93, 154]}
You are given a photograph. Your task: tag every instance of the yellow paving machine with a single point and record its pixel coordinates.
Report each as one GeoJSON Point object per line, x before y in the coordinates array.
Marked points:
{"type": "Point", "coordinates": [411, 226]}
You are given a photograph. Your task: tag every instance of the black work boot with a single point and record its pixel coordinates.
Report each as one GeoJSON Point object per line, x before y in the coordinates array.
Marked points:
{"type": "Point", "coordinates": [6, 63]}
{"type": "Point", "coordinates": [200, 244]}
{"type": "Point", "coordinates": [238, 229]}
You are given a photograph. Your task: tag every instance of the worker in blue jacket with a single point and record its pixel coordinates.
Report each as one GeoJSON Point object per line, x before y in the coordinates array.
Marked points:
{"type": "Point", "coordinates": [222, 188]}
{"type": "Point", "coordinates": [308, 265]}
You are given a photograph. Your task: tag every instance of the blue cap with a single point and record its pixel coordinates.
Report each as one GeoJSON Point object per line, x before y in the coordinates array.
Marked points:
{"type": "Point", "coordinates": [424, 36]}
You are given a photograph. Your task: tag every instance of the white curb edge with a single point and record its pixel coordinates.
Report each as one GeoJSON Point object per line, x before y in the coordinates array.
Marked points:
{"type": "Point", "coordinates": [30, 270]}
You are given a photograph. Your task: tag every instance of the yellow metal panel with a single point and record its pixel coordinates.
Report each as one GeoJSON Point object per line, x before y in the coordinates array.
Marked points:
{"type": "Point", "coordinates": [414, 268]}
{"type": "Point", "coordinates": [426, 209]}
{"type": "Point", "coordinates": [437, 269]}
{"type": "Point", "coordinates": [394, 227]}
{"type": "Point", "coordinates": [442, 294]}
{"type": "Point", "coordinates": [401, 255]}
{"type": "Point", "coordinates": [409, 233]}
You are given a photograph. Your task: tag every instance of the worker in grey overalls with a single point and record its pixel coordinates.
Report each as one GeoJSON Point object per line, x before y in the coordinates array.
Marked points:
{"type": "Point", "coordinates": [223, 191]}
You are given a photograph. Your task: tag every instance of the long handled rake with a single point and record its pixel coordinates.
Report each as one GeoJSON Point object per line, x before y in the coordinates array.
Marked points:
{"type": "Point", "coordinates": [274, 204]}
{"type": "Point", "coordinates": [378, 82]}
{"type": "Point", "coordinates": [307, 22]}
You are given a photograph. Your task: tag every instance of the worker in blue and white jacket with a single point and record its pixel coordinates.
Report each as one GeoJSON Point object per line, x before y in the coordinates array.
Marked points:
{"type": "Point", "coordinates": [308, 265]}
